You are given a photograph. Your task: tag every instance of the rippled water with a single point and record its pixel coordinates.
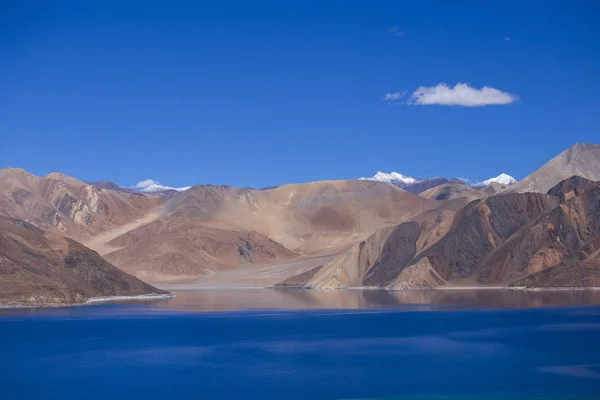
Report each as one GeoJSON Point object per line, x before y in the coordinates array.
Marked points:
{"type": "Point", "coordinates": [295, 344]}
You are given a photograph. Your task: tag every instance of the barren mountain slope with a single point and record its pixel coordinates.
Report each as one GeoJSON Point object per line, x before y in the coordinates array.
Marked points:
{"type": "Point", "coordinates": [208, 228]}
{"type": "Point", "coordinates": [378, 260]}
{"type": "Point", "coordinates": [311, 217]}
{"type": "Point", "coordinates": [583, 159]}
{"type": "Point", "coordinates": [570, 239]}
{"type": "Point", "coordinates": [176, 248]}
{"type": "Point", "coordinates": [457, 190]}
{"type": "Point", "coordinates": [44, 268]}
{"type": "Point", "coordinates": [522, 239]}
{"type": "Point", "coordinates": [64, 204]}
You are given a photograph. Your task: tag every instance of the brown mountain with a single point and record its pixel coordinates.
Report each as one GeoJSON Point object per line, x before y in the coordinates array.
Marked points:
{"type": "Point", "coordinates": [113, 186]}
{"type": "Point", "coordinates": [583, 159]}
{"type": "Point", "coordinates": [526, 239]}
{"type": "Point", "coordinates": [61, 203]}
{"type": "Point", "coordinates": [456, 190]}
{"type": "Point", "coordinates": [171, 248]}
{"type": "Point", "coordinates": [44, 268]}
{"type": "Point", "coordinates": [351, 232]}
{"type": "Point", "coordinates": [211, 228]}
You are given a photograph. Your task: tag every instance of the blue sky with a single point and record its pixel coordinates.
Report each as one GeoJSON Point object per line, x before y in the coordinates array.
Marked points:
{"type": "Point", "coordinates": [255, 93]}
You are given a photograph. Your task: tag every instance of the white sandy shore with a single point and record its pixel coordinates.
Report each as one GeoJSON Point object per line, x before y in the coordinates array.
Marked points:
{"type": "Point", "coordinates": [119, 298]}
{"type": "Point", "coordinates": [92, 300]}
{"type": "Point", "coordinates": [555, 288]}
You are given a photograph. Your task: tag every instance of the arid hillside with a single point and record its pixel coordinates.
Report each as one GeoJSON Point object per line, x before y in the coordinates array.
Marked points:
{"type": "Point", "coordinates": [458, 190]}
{"type": "Point", "coordinates": [370, 233]}
{"type": "Point", "coordinates": [210, 228]}
{"type": "Point", "coordinates": [519, 239]}
{"type": "Point", "coordinates": [63, 204]}
{"type": "Point", "coordinates": [45, 268]}
{"type": "Point", "coordinates": [583, 159]}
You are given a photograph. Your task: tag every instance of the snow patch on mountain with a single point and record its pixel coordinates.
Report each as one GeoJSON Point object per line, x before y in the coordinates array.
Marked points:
{"type": "Point", "coordinates": [152, 186]}
{"type": "Point", "coordinates": [409, 182]}
{"type": "Point", "coordinates": [503, 179]}
{"type": "Point", "coordinates": [392, 177]}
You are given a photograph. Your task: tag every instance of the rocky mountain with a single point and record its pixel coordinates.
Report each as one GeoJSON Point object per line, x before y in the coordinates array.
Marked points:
{"type": "Point", "coordinates": [211, 228]}
{"type": "Point", "coordinates": [583, 159]}
{"type": "Point", "coordinates": [153, 190]}
{"type": "Point", "coordinates": [45, 268]}
{"type": "Point", "coordinates": [457, 190]}
{"type": "Point", "coordinates": [113, 186]}
{"type": "Point", "coordinates": [519, 239]}
{"type": "Point", "coordinates": [333, 233]}
{"type": "Point", "coordinates": [61, 203]}
{"type": "Point", "coordinates": [418, 186]}
{"type": "Point", "coordinates": [177, 248]}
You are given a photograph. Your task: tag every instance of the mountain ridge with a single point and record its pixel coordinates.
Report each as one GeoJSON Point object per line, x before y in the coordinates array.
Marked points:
{"type": "Point", "coordinates": [418, 186]}
{"type": "Point", "coordinates": [509, 239]}
{"type": "Point", "coordinates": [208, 230]}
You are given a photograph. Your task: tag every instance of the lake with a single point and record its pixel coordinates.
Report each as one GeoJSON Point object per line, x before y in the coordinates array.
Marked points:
{"type": "Point", "coordinates": [299, 344]}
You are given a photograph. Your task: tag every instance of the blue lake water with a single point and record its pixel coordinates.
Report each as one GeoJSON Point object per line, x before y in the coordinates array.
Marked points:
{"type": "Point", "coordinates": [462, 346]}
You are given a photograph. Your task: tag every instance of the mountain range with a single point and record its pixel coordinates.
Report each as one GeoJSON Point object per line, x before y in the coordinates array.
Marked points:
{"type": "Point", "coordinates": [389, 231]}
{"type": "Point", "coordinates": [417, 186]}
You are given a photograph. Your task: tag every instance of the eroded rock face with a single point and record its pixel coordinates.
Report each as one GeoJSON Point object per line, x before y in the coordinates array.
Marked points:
{"type": "Point", "coordinates": [398, 251]}
{"type": "Point", "coordinates": [43, 268]}
{"type": "Point", "coordinates": [580, 160]}
{"type": "Point", "coordinates": [482, 227]}
{"type": "Point", "coordinates": [523, 239]}
{"type": "Point", "coordinates": [64, 204]}
{"type": "Point", "coordinates": [418, 275]}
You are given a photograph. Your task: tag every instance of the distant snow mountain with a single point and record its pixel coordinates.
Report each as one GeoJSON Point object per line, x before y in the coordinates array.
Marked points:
{"type": "Point", "coordinates": [161, 188]}
{"type": "Point", "coordinates": [408, 183]}
{"type": "Point", "coordinates": [416, 185]}
{"type": "Point", "coordinates": [503, 179]}
{"type": "Point", "coordinates": [152, 186]}
{"type": "Point", "coordinates": [391, 178]}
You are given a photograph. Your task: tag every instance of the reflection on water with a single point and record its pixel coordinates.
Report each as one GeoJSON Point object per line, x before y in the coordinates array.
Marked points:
{"type": "Point", "coordinates": [224, 300]}
{"type": "Point", "coordinates": [207, 300]}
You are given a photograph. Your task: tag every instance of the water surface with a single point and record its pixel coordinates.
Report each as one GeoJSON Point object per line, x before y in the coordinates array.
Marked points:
{"type": "Point", "coordinates": [295, 345]}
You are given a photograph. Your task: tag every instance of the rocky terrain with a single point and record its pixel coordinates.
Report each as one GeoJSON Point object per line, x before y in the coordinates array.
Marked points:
{"type": "Point", "coordinates": [66, 205]}
{"type": "Point", "coordinates": [208, 229]}
{"type": "Point", "coordinates": [458, 190]}
{"type": "Point", "coordinates": [542, 231]}
{"type": "Point", "coordinates": [580, 160]}
{"type": "Point", "coordinates": [45, 268]}
{"type": "Point", "coordinates": [518, 239]}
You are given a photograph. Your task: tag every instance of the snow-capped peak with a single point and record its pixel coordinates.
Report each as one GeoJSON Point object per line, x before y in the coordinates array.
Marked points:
{"type": "Point", "coordinates": [503, 179]}
{"type": "Point", "coordinates": [391, 177]}
{"type": "Point", "coordinates": [160, 188]}
{"type": "Point", "coordinates": [152, 186]}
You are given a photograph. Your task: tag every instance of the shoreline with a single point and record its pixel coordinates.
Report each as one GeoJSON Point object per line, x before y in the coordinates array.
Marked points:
{"type": "Point", "coordinates": [108, 299]}
{"type": "Point", "coordinates": [90, 301]}
{"type": "Point", "coordinates": [438, 288]}
{"type": "Point", "coordinates": [188, 288]}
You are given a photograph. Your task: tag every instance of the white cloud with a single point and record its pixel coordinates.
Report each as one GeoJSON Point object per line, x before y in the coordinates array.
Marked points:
{"type": "Point", "coordinates": [393, 96]}
{"type": "Point", "coordinates": [395, 30]}
{"type": "Point", "coordinates": [150, 185]}
{"type": "Point", "coordinates": [460, 95]}
{"type": "Point", "coordinates": [506, 39]}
